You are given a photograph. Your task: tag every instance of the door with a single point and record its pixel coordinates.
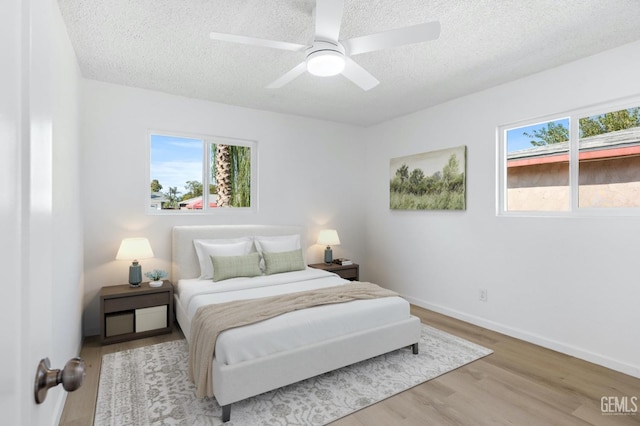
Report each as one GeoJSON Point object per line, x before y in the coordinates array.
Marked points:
{"type": "Point", "coordinates": [25, 206]}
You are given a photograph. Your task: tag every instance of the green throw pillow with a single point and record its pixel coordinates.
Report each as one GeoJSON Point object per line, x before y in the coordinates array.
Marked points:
{"type": "Point", "coordinates": [225, 267]}
{"type": "Point", "coordinates": [285, 261]}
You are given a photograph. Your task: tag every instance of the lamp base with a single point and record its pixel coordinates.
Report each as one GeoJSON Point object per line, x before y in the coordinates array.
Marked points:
{"type": "Point", "coordinates": [135, 274]}
{"type": "Point", "coordinates": [328, 256]}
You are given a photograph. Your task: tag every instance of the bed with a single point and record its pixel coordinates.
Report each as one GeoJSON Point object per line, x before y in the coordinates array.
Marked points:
{"type": "Point", "coordinates": [287, 348]}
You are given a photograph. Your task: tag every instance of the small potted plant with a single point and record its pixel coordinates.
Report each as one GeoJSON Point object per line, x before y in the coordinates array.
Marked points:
{"type": "Point", "coordinates": [156, 277]}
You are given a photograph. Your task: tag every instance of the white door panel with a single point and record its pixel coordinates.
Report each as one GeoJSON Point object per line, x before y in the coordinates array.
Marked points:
{"type": "Point", "coordinates": [25, 206]}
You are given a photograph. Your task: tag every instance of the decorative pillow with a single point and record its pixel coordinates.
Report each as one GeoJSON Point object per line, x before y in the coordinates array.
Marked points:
{"type": "Point", "coordinates": [225, 267]}
{"type": "Point", "coordinates": [275, 244]}
{"type": "Point", "coordinates": [285, 261]}
{"type": "Point", "coordinates": [230, 247]}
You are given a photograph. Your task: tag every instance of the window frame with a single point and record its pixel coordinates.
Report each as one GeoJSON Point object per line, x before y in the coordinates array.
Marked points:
{"type": "Point", "coordinates": [207, 141]}
{"type": "Point", "coordinates": [574, 117]}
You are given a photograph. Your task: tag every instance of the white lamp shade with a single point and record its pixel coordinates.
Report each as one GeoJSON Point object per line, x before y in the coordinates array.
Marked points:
{"type": "Point", "coordinates": [328, 237]}
{"type": "Point", "coordinates": [134, 248]}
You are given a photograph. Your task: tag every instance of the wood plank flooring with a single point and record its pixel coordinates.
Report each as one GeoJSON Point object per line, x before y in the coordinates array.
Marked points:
{"type": "Point", "coordinates": [519, 384]}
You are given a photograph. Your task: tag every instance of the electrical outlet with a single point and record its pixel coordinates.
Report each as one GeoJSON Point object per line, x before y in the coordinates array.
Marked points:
{"type": "Point", "coordinates": [482, 295]}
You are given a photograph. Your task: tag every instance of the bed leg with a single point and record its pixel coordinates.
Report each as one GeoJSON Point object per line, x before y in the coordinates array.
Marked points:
{"type": "Point", "coordinates": [226, 413]}
{"type": "Point", "coordinates": [415, 348]}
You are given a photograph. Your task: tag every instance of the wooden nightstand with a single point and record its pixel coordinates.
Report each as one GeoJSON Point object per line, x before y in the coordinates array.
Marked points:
{"type": "Point", "coordinates": [348, 272]}
{"type": "Point", "coordinates": [128, 313]}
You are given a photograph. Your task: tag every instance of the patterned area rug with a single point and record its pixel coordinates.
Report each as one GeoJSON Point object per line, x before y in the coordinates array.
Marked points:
{"type": "Point", "coordinates": [149, 386]}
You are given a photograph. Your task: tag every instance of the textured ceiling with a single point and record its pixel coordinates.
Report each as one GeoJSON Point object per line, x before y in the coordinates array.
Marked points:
{"type": "Point", "coordinates": [164, 45]}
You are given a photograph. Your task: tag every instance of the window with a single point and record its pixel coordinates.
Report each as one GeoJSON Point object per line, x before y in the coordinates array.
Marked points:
{"type": "Point", "coordinates": [609, 152]}
{"type": "Point", "coordinates": [584, 161]}
{"type": "Point", "coordinates": [538, 167]}
{"type": "Point", "coordinates": [181, 167]}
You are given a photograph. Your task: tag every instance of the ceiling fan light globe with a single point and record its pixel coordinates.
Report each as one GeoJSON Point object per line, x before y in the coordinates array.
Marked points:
{"type": "Point", "coordinates": [325, 63]}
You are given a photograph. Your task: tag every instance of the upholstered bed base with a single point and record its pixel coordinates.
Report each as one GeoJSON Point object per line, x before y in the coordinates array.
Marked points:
{"type": "Point", "coordinates": [232, 383]}
{"type": "Point", "coordinates": [235, 382]}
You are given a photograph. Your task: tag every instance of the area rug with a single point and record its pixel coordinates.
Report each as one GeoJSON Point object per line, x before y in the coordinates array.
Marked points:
{"type": "Point", "coordinates": [150, 386]}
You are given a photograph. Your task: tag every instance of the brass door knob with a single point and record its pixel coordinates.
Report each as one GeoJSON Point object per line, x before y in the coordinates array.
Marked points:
{"type": "Point", "coordinates": [71, 377]}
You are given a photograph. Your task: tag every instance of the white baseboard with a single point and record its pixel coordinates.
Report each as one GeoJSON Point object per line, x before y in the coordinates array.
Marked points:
{"type": "Point", "coordinates": [605, 361]}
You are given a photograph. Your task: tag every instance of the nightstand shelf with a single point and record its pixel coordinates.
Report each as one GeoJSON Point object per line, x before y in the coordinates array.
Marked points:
{"type": "Point", "coordinates": [128, 313]}
{"type": "Point", "coordinates": [348, 272]}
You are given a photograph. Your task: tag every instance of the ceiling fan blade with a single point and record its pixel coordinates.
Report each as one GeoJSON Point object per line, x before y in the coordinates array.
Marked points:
{"type": "Point", "coordinates": [282, 45]}
{"type": "Point", "coordinates": [289, 76]}
{"type": "Point", "coordinates": [392, 38]}
{"type": "Point", "coordinates": [359, 75]}
{"type": "Point", "coordinates": [328, 19]}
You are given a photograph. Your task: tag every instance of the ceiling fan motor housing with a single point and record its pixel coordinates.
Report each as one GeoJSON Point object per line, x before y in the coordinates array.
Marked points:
{"type": "Point", "coordinates": [325, 58]}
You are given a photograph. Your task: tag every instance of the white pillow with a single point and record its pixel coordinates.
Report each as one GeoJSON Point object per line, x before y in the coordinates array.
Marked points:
{"type": "Point", "coordinates": [277, 244]}
{"type": "Point", "coordinates": [230, 247]}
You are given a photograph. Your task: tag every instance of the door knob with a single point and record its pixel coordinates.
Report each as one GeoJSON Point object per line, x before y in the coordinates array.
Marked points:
{"type": "Point", "coordinates": [71, 377]}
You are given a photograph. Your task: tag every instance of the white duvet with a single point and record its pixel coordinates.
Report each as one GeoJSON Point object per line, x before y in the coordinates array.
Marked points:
{"type": "Point", "coordinates": [293, 329]}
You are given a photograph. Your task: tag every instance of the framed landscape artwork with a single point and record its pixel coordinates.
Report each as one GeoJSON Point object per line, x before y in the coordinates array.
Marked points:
{"type": "Point", "coordinates": [434, 180]}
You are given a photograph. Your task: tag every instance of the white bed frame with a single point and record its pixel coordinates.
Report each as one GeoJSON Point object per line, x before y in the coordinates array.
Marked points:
{"type": "Point", "coordinates": [233, 383]}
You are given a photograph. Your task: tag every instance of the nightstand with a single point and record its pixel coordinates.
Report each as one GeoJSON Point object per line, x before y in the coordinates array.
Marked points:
{"type": "Point", "coordinates": [128, 313]}
{"type": "Point", "coordinates": [348, 272]}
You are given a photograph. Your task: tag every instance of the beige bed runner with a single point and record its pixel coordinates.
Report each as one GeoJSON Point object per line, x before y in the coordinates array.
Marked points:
{"type": "Point", "coordinates": [211, 320]}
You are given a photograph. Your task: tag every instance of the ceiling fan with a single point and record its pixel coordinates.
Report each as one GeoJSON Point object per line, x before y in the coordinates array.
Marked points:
{"type": "Point", "coordinates": [328, 55]}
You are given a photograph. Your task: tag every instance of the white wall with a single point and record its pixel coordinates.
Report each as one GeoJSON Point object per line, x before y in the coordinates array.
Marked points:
{"type": "Point", "coordinates": [571, 284]}
{"type": "Point", "coordinates": [309, 174]}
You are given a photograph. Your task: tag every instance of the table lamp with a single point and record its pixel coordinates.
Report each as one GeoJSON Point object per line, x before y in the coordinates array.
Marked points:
{"type": "Point", "coordinates": [328, 237]}
{"type": "Point", "coordinates": [134, 249]}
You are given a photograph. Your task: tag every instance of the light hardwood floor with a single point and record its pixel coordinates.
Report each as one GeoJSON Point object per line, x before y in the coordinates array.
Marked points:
{"type": "Point", "coordinates": [519, 384]}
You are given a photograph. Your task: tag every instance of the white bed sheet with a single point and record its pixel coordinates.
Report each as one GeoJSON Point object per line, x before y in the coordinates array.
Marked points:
{"type": "Point", "coordinates": [293, 329]}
